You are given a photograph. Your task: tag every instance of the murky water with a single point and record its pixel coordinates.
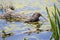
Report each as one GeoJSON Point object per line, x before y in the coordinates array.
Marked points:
{"type": "Point", "coordinates": [28, 7]}
{"type": "Point", "coordinates": [17, 27]}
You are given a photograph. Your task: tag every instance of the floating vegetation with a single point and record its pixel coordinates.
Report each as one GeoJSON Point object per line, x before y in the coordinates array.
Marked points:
{"type": "Point", "coordinates": [4, 35]}
{"type": "Point", "coordinates": [55, 23]}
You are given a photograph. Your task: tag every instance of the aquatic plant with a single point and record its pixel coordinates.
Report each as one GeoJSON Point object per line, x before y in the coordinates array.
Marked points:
{"type": "Point", "coordinates": [55, 23]}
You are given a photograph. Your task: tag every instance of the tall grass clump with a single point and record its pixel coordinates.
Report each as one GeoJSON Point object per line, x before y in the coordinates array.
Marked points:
{"type": "Point", "coordinates": [55, 23]}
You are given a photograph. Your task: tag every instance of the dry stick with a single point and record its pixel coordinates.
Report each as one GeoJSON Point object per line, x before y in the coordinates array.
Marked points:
{"type": "Point", "coordinates": [25, 32]}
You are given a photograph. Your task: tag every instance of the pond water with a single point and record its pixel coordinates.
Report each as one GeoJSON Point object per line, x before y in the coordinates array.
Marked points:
{"type": "Point", "coordinates": [17, 27]}
{"type": "Point", "coordinates": [28, 7]}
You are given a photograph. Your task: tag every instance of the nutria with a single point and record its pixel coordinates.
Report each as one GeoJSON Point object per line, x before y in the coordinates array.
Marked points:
{"type": "Point", "coordinates": [33, 18]}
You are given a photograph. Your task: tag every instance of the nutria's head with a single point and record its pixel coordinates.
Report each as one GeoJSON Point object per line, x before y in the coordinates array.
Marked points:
{"type": "Point", "coordinates": [34, 17]}
{"type": "Point", "coordinates": [11, 7]}
{"type": "Point", "coordinates": [36, 14]}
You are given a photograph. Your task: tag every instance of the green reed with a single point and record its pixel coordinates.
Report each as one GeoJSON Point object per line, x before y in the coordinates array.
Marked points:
{"type": "Point", "coordinates": [55, 23]}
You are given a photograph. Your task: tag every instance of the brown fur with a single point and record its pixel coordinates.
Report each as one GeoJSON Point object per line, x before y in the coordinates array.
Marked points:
{"type": "Point", "coordinates": [34, 17]}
